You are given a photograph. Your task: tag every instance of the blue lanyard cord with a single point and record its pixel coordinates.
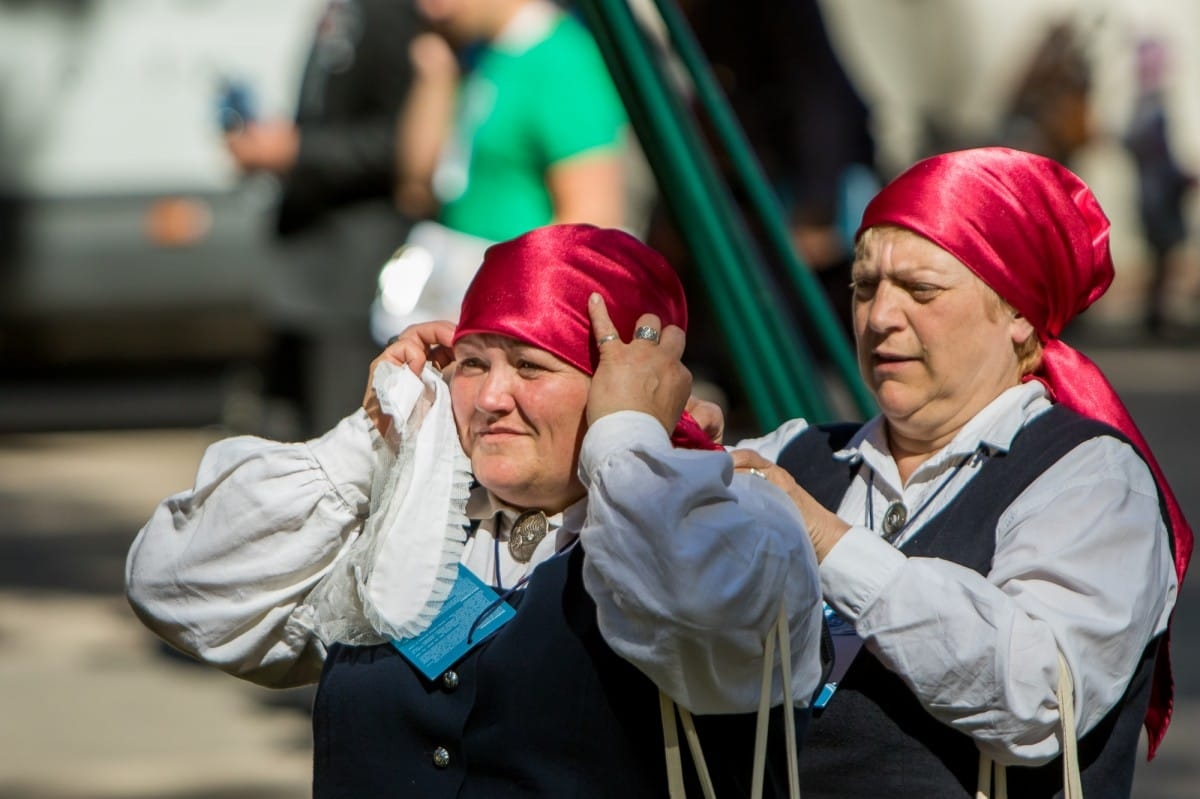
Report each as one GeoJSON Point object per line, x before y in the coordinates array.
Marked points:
{"type": "Point", "coordinates": [496, 562]}
{"type": "Point", "coordinates": [505, 593]}
{"type": "Point", "coordinates": [981, 450]}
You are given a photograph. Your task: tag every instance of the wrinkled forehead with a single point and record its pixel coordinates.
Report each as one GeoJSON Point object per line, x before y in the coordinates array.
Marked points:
{"type": "Point", "coordinates": [900, 254]}
{"type": "Point", "coordinates": [480, 343]}
{"type": "Point", "coordinates": [901, 250]}
{"type": "Point", "coordinates": [474, 342]}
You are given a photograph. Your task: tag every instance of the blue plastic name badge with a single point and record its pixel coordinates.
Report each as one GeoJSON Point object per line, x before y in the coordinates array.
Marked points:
{"type": "Point", "coordinates": [472, 611]}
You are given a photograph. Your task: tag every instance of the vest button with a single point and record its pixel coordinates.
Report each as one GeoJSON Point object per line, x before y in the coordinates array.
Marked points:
{"type": "Point", "coordinates": [441, 757]}
{"type": "Point", "coordinates": [450, 680]}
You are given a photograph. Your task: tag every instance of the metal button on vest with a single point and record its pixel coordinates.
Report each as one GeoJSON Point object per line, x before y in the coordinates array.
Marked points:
{"type": "Point", "coordinates": [441, 757]}
{"type": "Point", "coordinates": [450, 680]}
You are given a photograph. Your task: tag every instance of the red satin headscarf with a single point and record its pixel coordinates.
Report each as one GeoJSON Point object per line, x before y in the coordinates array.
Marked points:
{"type": "Point", "coordinates": [535, 289]}
{"type": "Point", "coordinates": [1034, 233]}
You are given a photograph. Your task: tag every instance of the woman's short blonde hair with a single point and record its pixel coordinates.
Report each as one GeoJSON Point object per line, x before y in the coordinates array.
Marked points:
{"type": "Point", "coordinates": [1029, 351]}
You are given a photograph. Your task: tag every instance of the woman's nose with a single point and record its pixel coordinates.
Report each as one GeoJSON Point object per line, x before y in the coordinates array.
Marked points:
{"type": "Point", "coordinates": [496, 393]}
{"type": "Point", "coordinates": [884, 309]}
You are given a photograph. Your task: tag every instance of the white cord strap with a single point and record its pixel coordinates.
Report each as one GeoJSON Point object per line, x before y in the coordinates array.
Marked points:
{"type": "Point", "coordinates": [1072, 784]}
{"type": "Point", "coordinates": [780, 632]}
{"type": "Point", "coordinates": [693, 739]}
{"type": "Point", "coordinates": [764, 710]}
{"type": "Point", "coordinates": [675, 784]}
{"type": "Point", "coordinates": [789, 707]}
{"type": "Point", "coordinates": [671, 743]}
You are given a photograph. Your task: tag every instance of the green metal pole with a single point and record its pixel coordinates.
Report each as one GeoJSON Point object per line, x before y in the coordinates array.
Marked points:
{"type": "Point", "coordinates": [708, 240]}
{"type": "Point", "coordinates": [707, 217]}
{"type": "Point", "coordinates": [642, 95]}
{"type": "Point", "coordinates": [765, 203]}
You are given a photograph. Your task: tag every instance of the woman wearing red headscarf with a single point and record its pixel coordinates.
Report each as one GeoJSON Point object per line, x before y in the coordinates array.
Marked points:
{"type": "Point", "coordinates": [1001, 508]}
{"type": "Point", "coordinates": [424, 560]}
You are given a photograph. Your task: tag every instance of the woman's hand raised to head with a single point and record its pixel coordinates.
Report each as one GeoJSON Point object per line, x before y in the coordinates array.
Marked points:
{"type": "Point", "coordinates": [644, 374]}
{"type": "Point", "coordinates": [415, 346]}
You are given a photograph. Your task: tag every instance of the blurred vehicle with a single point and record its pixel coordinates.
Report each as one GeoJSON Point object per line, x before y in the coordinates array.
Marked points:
{"type": "Point", "coordinates": [130, 247]}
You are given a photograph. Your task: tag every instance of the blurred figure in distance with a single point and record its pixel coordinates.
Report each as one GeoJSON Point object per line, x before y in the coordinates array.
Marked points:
{"type": "Point", "coordinates": [335, 219]}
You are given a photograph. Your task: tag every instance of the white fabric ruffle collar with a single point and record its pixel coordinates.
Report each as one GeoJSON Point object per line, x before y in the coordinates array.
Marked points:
{"type": "Point", "coordinates": [391, 581]}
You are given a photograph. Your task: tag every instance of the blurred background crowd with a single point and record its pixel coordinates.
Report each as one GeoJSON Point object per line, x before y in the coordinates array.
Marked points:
{"type": "Point", "coordinates": [209, 185]}
{"type": "Point", "coordinates": [197, 198]}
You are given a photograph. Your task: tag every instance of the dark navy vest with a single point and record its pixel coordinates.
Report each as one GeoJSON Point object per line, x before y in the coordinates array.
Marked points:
{"type": "Point", "coordinates": [874, 738]}
{"type": "Point", "coordinates": [544, 708]}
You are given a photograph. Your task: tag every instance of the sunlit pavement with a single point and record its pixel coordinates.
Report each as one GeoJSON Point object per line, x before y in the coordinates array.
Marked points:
{"type": "Point", "coordinates": [92, 704]}
{"type": "Point", "coordinates": [92, 707]}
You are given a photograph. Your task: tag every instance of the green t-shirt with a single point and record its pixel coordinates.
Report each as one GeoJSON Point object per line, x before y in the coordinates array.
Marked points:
{"type": "Point", "coordinates": [518, 113]}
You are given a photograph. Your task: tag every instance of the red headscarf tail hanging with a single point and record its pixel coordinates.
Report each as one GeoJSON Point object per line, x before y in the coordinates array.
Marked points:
{"type": "Point", "coordinates": [535, 289]}
{"type": "Point", "coordinates": [1033, 231]}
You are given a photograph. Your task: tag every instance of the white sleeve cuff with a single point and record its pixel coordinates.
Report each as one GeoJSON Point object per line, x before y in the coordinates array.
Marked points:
{"type": "Point", "coordinates": [616, 433]}
{"type": "Point", "coordinates": [856, 570]}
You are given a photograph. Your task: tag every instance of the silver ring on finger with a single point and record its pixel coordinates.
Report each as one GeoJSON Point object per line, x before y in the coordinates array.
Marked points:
{"type": "Point", "coordinates": [758, 473]}
{"type": "Point", "coordinates": [646, 333]}
{"type": "Point", "coordinates": [605, 339]}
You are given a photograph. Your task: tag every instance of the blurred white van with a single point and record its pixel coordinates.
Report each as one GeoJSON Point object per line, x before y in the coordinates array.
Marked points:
{"type": "Point", "coordinates": [127, 237]}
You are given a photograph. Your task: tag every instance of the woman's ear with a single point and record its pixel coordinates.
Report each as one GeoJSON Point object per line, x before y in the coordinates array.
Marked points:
{"type": "Point", "coordinates": [1020, 328]}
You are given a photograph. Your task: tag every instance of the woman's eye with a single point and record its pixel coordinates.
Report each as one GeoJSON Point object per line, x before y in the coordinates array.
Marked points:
{"type": "Point", "coordinates": [923, 292]}
{"type": "Point", "coordinates": [470, 366]}
{"type": "Point", "coordinates": [864, 289]}
{"type": "Point", "coordinates": [529, 367]}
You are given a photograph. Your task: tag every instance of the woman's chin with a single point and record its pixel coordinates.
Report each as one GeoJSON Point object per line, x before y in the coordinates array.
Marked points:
{"type": "Point", "coordinates": [510, 486]}
{"type": "Point", "coordinates": [520, 492]}
{"type": "Point", "coordinates": [896, 401]}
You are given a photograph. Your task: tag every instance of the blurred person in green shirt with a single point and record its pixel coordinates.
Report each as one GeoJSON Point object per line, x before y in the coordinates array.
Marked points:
{"type": "Point", "coordinates": [512, 123]}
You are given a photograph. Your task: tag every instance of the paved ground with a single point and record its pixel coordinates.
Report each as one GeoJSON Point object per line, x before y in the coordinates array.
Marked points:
{"type": "Point", "coordinates": [91, 707]}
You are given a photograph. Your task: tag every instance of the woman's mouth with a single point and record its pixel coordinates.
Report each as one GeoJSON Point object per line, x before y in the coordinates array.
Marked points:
{"type": "Point", "coordinates": [498, 432]}
{"type": "Point", "coordinates": [888, 361]}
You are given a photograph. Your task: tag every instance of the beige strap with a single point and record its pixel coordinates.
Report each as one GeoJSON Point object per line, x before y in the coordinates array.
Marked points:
{"type": "Point", "coordinates": [781, 632]}
{"type": "Point", "coordinates": [1072, 784]}
{"type": "Point", "coordinates": [667, 708]}
{"type": "Point", "coordinates": [983, 784]}
{"type": "Point", "coordinates": [675, 786]}
{"type": "Point", "coordinates": [789, 708]}
{"type": "Point", "coordinates": [693, 740]}
{"type": "Point", "coordinates": [671, 743]}
{"type": "Point", "coordinates": [764, 711]}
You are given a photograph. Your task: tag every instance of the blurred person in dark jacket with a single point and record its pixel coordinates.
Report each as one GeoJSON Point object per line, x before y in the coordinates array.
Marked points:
{"type": "Point", "coordinates": [803, 116]}
{"type": "Point", "coordinates": [335, 220]}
